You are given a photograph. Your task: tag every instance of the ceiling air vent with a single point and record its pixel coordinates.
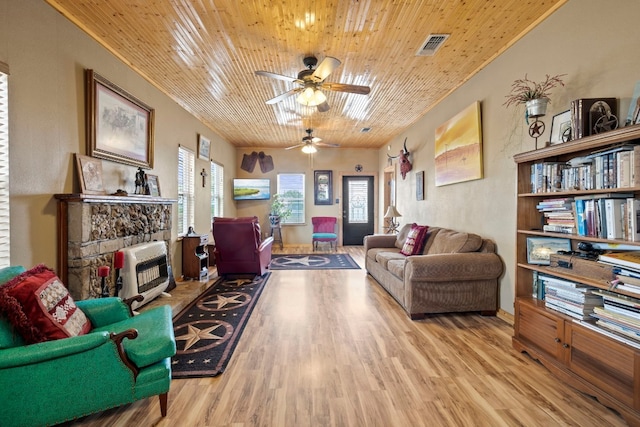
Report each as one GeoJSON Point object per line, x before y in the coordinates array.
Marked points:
{"type": "Point", "coordinates": [431, 44]}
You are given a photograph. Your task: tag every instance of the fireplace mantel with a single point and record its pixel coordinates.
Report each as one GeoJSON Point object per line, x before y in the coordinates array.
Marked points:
{"type": "Point", "coordinates": [91, 227]}
{"type": "Point", "coordinates": [107, 198]}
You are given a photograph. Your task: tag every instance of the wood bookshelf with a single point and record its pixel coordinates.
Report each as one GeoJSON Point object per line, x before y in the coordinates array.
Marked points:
{"type": "Point", "coordinates": [591, 359]}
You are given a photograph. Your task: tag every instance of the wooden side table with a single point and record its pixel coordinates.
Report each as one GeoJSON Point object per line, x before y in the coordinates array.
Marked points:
{"type": "Point", "coordinates": [276, 233]}
{"type": "Point", "coordinates": [195, 258]}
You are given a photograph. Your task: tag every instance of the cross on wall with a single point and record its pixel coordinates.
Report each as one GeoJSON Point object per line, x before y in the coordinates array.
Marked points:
{"type": "Point", "coordinates": [204, 175]}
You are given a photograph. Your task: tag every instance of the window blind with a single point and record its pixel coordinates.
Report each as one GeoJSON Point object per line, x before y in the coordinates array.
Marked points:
{"type": "Point", "coordinates": [186, 189]}
{"type": "Point", "coordinates": [217, 190]}
{"type": "Point", "coordinates": [291, 191]}
{"type": "Point", "coordinates": [5, 242]}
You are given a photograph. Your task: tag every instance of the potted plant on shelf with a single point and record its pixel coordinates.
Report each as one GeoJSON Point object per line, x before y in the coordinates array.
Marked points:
{"type": "Point", "coordinates": [278, 211]}
{"type": "Point", "coordinates": [535, 95]}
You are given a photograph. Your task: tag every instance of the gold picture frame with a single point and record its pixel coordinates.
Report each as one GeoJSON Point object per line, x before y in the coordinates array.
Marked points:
{"type": "Point", "coordinates": [89, 174]}
{"type": "Point", "coordinates": [119, 126]}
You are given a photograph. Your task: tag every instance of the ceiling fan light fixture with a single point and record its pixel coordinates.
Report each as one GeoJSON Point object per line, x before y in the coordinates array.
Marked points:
{"type": "Point", "coordinates": [309, 149]}
{"type": "Point", "coordinates": [311, 97]}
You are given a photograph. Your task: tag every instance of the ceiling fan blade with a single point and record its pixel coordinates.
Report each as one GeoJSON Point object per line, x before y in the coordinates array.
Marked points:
{"type": "Point", "coordinates": [295, 146]}
{"type": "Point", "coordinates": [325, 68]}
{"type": "Point", "coordinates": [324, 107]}
{"type": "Point", "coordinates": [327, 144]}
{"type": "Point", "coordinates": [276, 76]}
{"type": "Point", "coordinates": [315, 139]}
{"type": "Point", "coordinates": [339, 87]}
{"type": "Point", "coordinates": [284, 96]}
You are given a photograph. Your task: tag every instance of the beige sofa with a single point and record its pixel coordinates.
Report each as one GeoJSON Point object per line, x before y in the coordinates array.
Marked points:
{"type": "Point", "coordinates": [456, 272]}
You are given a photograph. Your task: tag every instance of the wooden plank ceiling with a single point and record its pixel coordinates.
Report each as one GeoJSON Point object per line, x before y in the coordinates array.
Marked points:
{"type": "Point", "coordinates": [203, 54]}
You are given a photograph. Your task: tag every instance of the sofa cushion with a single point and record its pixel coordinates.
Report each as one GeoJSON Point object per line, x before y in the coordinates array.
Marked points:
{"type": "Point", "coordinates": [415, 240]}
{"type": "Point", "coordinates": [39, 306]}
{"type": "Point", "coordinates": [450, 241]}
{"type": "Point", "coordinates": [402, 235]}
{"type": "Point", "coordinates": [396, 267]}
{"type": "Point", "coordinates": [383, 257]}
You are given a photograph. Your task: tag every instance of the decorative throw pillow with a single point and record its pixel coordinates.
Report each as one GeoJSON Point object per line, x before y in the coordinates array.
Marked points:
{"type": "Point", "coordinates": [39, 306]}
{"type": "Point", "coordinates": [416, 238]}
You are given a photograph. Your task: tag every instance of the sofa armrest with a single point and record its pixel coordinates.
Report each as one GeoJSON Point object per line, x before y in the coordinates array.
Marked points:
{"type": "Point", "coordinates": [104, 311]}
{"type": "Point", "coordinates": [453, 267]}
{"type": "Point", "coordinates": [379, 241]}
{"type": "Point", "coordinates": [51, 350]}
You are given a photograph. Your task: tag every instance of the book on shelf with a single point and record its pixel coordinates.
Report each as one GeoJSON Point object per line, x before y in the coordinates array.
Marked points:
{"type": "Point", "coordinates": [633, 218]}
{"type": "Point", "coordinates": [563, 310]}
{"type": "Point", "coordinates": [615, 327]}
{"type": "Point", "coordinates": [620, 299]}
{"type": "Point", "coordinates": [586, 298]}
{"type": "Point", "coordinates": [614, 217]}
{"type": "Point", "coordinates": [626, 279]}
{"type": "Point", "coordinates": [612, 316]}
{"type": "Point", "coordinates": [629, 259]}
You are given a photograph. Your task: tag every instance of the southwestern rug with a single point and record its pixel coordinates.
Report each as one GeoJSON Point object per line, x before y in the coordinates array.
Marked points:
{"type": "Point", "coordinates": [312, 262]}
{"type": "Point", "coordinates": [208, 330]}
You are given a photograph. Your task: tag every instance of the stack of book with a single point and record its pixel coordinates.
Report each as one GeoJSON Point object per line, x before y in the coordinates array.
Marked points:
{"type": "Point", "coordinates": [558, 214]}
{"type": "Point", "coordinates": [574, 299]}
{"type": "Point", "coordinates": [620, 314]}
{"type": "Point", "coordinates": [607, 215]}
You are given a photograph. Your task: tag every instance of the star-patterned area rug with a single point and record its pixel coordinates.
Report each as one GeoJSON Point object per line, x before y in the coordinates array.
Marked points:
{"type": "Point", "coordinates": [208, 330]}
{"type": "Point", "coordinates": [312, 262]}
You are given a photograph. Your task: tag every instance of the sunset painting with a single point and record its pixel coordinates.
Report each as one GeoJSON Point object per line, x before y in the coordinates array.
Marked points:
{"type": "Point", "coordinates": [458, 150]}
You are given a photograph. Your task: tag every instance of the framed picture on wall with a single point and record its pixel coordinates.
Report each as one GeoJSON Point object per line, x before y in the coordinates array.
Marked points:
{"type": "Point", "coordinates": [323, 187]}
{"type": "Point", "coordinates": [420, 185]}
{"type": "Point", "coordinates": [204, 148]}
{"type": "Point", "coordinates": [119, 126]}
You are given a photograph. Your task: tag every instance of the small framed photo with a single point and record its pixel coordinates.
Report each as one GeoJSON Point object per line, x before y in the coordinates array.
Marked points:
{"type": "Point", "coordinates": [561, 128]}
{"type": "Point", "coordinates": [633, 117]}
{"type": "Point", "coordinates": [420, 185]}
{"type": "Point", "coordinates": [89, 174]}
{"type": "Point", "coordinates": [154, 185]}
{"type": "Point", "coordinates": [323, 187]}
{"type": "Point", "coordinates": [539, 249]}
{"type": "Point", "coordinates": [204, 148]}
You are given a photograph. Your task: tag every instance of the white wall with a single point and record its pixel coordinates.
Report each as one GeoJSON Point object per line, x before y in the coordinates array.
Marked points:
{"type": "Point", "coordinates": [47, 56]}
{"type": "Point", "coordinates": [597, 49]}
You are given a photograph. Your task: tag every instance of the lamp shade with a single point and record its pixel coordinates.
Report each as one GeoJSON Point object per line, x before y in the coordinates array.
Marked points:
{"type": "Point", "coordinates": [392, 212]}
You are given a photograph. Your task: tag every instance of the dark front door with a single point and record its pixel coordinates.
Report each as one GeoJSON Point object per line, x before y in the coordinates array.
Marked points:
{"type": "Point", "coordinates": [357, 211]}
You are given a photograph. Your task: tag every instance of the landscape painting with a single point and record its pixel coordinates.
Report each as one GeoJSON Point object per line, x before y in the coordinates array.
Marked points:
{"type": "Point", "coordinates": [458, 147]}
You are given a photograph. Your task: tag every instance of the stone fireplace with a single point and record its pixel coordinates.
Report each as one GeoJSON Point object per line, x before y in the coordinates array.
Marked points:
{"type": "Point", "coordinates": [91, 228]}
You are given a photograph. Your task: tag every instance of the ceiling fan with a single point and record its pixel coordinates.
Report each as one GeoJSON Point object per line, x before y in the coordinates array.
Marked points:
{"type": "Point", "coordinates": [311, 83]}
{"type": "Point", "coordinates": [309, 143]}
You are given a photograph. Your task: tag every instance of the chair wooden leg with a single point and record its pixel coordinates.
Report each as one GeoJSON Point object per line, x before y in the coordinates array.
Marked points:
{"type": "Point", "coordinates": [163, 404]}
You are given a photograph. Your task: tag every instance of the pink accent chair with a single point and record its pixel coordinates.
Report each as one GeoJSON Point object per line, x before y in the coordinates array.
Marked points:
{"type": "Point", "coordinates": [324, 230]}
{"type": "Point", "coordinates": [239, 246]}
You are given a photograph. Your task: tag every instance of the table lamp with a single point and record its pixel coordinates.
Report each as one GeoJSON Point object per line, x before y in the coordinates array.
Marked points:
{"type": "Point", "coordinates": [391, 214]}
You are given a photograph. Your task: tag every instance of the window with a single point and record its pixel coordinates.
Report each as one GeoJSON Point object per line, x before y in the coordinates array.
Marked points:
{"type": "Point", "coordinates": [291, 191]}
{"type": "Point", "coordinates": [5, 242]}
{"type": "Point", "coordinates": [217, 190]}
{"type": "Point", "coordinates": [186, 190]}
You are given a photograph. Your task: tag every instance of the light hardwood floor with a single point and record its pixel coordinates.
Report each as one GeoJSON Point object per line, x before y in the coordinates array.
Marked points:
{"type": "Point", "coordinates": [332, 348]}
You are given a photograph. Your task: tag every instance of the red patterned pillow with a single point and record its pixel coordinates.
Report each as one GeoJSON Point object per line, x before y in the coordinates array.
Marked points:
{"type": "Point", "coordinates": [414, 244]}
{"type": "Point", "coordinates": [39, 306]}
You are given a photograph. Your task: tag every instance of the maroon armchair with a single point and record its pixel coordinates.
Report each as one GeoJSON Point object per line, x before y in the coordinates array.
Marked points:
{"type": "Point", "coordinates": [239, 246]}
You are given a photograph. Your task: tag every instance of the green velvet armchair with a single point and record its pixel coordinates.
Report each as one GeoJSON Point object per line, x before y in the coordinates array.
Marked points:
{"type": "Point", "coordinates": [123, 359]}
